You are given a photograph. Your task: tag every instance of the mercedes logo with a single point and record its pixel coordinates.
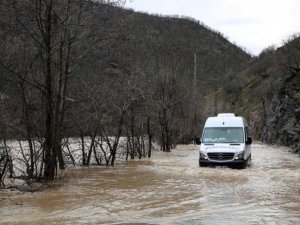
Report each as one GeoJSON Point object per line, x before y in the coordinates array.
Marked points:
{"type": "Point", "coordinates": [220, 156]}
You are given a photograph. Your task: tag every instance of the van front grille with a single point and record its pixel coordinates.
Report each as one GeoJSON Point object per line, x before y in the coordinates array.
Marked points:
{"type": "Point", "coordinates": [221, 156]}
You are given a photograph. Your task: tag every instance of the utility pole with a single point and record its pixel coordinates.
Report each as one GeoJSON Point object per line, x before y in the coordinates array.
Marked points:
{"type": "Point", "coordinates": [195, 83]}
{"type": "Point", "coordinates": [203, 52]}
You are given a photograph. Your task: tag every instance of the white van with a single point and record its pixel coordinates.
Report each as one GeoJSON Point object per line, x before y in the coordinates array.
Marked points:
{"type": "Point", "coordinates": [225, 141]}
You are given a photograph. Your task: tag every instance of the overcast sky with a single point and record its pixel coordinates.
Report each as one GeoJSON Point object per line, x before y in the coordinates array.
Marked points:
{"type": "Point", "coordinates": [252, 24]}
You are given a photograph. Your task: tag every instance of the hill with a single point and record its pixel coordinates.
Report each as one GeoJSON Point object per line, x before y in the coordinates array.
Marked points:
{"type": "Point", "coordinates": [270, 94]}
{"type": "Point", "coordinates": [171, 72]}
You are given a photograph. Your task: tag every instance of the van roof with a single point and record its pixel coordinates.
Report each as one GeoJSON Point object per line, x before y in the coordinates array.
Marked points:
{"type": "Point", "coordinates": [226, 114]}
{"type": "Point", "coordinates": [226, 121]}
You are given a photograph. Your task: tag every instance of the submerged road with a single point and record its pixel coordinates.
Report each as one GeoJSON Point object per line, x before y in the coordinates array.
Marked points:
{"type": "Point", "coordinates": [169, 188]}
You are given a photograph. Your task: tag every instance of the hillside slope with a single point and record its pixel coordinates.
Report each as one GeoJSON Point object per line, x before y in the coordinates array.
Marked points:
{"type": "Point", "coordinates": [150, 48]}
{"type": "Point", "coordinates": [270, 95]}
{"type": "Point", "coordinates": [125, 52]}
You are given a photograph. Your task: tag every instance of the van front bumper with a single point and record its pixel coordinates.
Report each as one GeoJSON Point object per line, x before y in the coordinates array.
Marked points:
{"type": "Point", "coordinates": [206, 162]}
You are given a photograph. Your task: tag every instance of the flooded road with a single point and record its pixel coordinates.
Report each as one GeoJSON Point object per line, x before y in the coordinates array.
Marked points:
{"type": "Point", "coordinates": [170, 188]}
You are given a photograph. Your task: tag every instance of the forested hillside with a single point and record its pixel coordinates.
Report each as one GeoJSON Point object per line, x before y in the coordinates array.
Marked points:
{"type": "Point", "coordinates": [270, 94]}
{"type": "Point", "coordinates": [88, 69]}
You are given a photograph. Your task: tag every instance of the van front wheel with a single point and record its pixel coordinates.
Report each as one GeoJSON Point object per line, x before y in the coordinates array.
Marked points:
{"type": "Point", "coordinates": [244, 164]}
{"type": "Point", "coordinates": [201, 164]}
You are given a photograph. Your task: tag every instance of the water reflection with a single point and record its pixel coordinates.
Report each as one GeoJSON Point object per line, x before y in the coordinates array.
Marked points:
{"type": "Point", "coordinates": [170, 188]}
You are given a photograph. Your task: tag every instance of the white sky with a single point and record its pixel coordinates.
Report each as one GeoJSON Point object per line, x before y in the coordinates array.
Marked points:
{"type": "Point", "coordinates": [252, 24]}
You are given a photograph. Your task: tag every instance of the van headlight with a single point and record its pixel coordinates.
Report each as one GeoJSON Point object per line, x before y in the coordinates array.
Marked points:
{"type": "Point", "coordinates": [240, 155]}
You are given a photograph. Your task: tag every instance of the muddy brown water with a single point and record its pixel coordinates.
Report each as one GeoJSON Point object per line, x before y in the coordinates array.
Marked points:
{"type": "Point", "coordinates": [169, 188]}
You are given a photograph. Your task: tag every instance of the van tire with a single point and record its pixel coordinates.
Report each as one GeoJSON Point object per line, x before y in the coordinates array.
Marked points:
{"type": "Point", "coordinates": [245, 163]}
{"type": "Point", "coordinates": [201, 164]}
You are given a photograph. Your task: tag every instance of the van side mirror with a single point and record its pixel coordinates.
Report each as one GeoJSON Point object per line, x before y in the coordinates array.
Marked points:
{"type": "Point", "coordinates": [249, 141]}
{"type": "Point", "coordinates": [197, 141]}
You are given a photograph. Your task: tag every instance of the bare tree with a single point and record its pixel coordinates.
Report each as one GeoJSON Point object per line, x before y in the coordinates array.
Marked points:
{"type": "Point", "coordinates": [50, 28]}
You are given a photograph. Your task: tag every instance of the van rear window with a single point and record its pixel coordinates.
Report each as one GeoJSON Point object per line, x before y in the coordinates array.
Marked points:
{"type": "Point", "coordinates": [223, 135]}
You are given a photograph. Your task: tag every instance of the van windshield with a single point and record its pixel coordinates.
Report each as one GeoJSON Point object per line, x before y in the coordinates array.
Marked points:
{"type": "Point", "coordinates": [223, 135]}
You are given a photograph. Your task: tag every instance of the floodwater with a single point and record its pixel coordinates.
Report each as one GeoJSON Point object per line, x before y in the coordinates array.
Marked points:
{"type": "Point", "coordinates": [169, 188]}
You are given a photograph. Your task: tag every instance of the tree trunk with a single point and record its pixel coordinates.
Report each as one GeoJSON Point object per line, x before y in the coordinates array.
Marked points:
{"type": "Point", "coordinates": [95, 155]}
{"type": "Point", "coordinates": [29, 133]}
{"type": "Point", "coordinates": [116, 143]}
{"type": "Point", "coordinates": [83, 150]}
{"type": "Point", "coordinates": [93, 137]}
{"type": "Point", "coordinates": [48, 146]}
{"type": "Point", "coordinates": [149, 137]}
{"type": "Point", "coordinates": [132, 134]}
